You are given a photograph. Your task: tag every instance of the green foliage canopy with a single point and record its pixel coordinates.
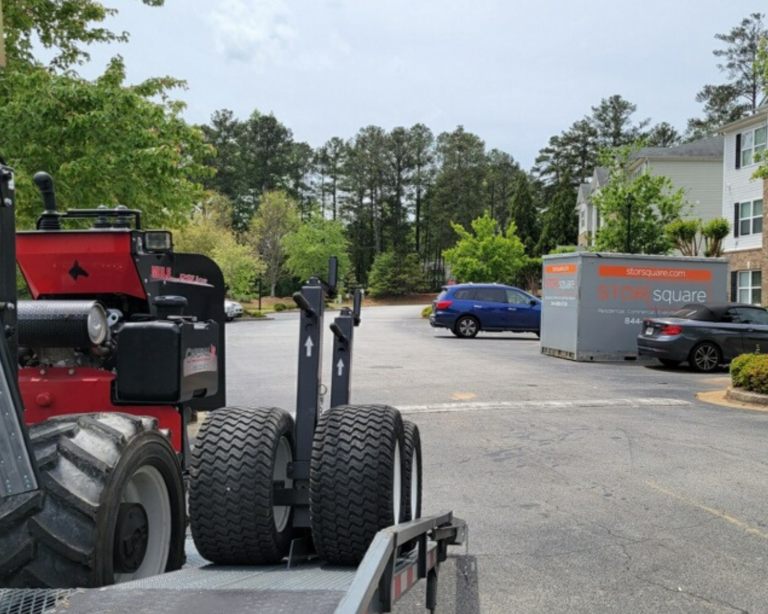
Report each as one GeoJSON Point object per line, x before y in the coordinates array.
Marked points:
{"type": "Point", "coordinates": [276, 217]}
{"type": "Point", "coordinates": [640, 206]}
{"type": "Point", "coordinates": [309, 249]}
{"type": "Point", "coordinates": [63, 26]}
{"type": "Point", "coordinates": [396, 274]}
{"type": "Point", "coordinates": [485, 255]}
{"type": "Point", "coordinates": [104, 143]}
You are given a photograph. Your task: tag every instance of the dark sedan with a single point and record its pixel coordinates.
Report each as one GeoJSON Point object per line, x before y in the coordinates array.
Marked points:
{"type": "Point", "coordinates": [705, 335]}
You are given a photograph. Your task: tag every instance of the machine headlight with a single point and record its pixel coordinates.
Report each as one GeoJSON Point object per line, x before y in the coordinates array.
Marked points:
{"type": "Point", "coordinates": [98, 326]}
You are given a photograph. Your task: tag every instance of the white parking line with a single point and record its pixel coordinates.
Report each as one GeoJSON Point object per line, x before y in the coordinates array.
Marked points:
{"type": "Point", "coordinates": [464, 407]}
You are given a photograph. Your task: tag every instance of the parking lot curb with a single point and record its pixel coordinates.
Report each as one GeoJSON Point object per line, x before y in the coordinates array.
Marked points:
{"type": "Point", "coordinates": [743, 396]}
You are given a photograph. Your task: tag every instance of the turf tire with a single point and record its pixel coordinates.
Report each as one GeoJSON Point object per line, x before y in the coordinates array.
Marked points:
{"type": "Point", "coordinates": [412, 474]}
{"type": "Point", "coordinates": [412, 470]}
{"type": "Point", "coordinates": [89, 463]}
{"type": "Point", "coordinates": [239, 454]}
{"type": "Point", "coordinates": [355, 480]}
{"type": "Point", "coordinates": [17, 546]}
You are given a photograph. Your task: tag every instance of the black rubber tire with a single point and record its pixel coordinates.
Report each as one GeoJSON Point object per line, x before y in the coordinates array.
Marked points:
{"type": "Point", "coordinates": [466, 327]}
{"type": "Point", "coordinates": [412, 459]}
{"type": "Point", "coordinates": [670, 364]}
{"type": "Point", "coordinates": [231, 503]}
{"type": "Point", "coordinates": [355, 479]}
{"type": "Point", "coordinates": [17, 547]}
{"type": "Point", "coordinates": [412, 470]}
{"type": "Point", "coordinates": [705, 357]}
{"type": "Point", "coordinates": [87, 462]}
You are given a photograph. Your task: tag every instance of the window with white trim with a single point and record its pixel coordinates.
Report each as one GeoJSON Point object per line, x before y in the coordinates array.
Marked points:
{"type": "Point", "coordinates": [748, 287]}
{"type": "Point", "coordinates": [751, 217]}
{"type": "Point", "coordinates": [752, 142]}
{"type": "Point", "coordinates": [582, 219]}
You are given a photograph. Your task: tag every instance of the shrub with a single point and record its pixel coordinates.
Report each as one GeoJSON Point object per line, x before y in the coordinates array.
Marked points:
{"type": "Point", "coordinates": [254, 313]}
{"type": "Point", "coordinates": [739, 366]}
{"type": "Point", "coordinates": [279, 307]}
{"type": "Point", "coordinates": [751, 373]}
{"type": "Point", "coordinates": [426, 312]}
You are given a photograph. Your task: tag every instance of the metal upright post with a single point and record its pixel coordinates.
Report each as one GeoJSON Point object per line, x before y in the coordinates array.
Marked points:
{"type": "Point", "coordinates": [312, 304]}
{"type": "Point", "coordinates": [311, 300]}
{"type": "Point", "coordinates": [341, 367]}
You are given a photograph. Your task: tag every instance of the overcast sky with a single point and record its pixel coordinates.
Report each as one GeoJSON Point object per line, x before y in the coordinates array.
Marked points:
{"type": "Point", "coordinates": [514, 73]}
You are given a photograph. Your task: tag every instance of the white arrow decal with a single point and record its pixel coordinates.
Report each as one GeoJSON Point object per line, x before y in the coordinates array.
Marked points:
{"type": "Point", "coordinates": [309, 345]}
{"type": "Point", "coordinates": [340, 366]}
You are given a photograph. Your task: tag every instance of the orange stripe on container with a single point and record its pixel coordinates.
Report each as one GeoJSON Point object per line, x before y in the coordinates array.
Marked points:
{"type": "Point", "coordinates": [561, 269]}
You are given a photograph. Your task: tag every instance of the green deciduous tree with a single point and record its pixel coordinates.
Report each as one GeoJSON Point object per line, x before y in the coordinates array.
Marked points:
{"type": "Point", "coordinates": [485, 254]}
{"type": "Point", "coordinates": [684, 235]}
{"type": "Point", "coordinates": [276, 217]}
{"type": "Point", "coordinates": [714, 233]}
{"type": "Point", "coordinates": [635, 210]}
{"type": "Point", "coordinates": [239, 265]}
{"type": "Point", "coordinates": [63, 26]}
{"type": "Point", "coordinates": [309, 249]}
{"type": "Point", "coordinates": [240, 268]}
{"type": "Point", "coordinates": [102, 141]}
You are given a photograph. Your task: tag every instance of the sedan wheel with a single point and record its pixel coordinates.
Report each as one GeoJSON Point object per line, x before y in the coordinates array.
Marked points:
{"type": "Point", "coordinates": [466, 327]}
{"type": "Point", "coordinates": [705, 357]}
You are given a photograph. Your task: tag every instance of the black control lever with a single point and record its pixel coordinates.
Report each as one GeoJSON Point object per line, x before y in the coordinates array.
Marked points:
{"type": "Point", "coordinates": [338, 333]}
{"type": "Point", "coordinates": [303, 304]}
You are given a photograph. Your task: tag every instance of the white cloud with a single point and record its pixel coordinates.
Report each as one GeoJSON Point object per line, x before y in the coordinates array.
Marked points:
{"type": "Point", "coordinates": [254, 31]}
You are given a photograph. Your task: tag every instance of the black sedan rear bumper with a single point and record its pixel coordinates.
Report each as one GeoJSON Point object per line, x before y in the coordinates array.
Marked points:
{"type": "Point", "coordinates": [667, 348]}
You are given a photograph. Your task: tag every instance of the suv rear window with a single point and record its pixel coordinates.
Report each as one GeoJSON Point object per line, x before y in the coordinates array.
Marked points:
{"type": "Point", "coordinates": [465, 294]}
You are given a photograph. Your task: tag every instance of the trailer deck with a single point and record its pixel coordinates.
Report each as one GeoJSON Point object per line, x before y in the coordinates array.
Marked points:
{"type": "Point", "coordinates": [376, 585]}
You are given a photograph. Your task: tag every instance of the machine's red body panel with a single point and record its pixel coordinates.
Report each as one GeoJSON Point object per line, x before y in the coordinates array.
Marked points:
{"type": "Point", "coordinates": [58, 391]}
{"type": "Point", "coordinates": [78, 262]}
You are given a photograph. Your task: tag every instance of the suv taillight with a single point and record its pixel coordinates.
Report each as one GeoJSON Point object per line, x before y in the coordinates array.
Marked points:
{"type": "Point", "coordinates": [440, 305]}
{"type": "Point", "coordinates": [670, 329]}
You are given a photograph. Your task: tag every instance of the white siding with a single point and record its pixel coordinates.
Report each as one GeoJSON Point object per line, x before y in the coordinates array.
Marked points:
{"type": "Point", "coordinates": [701, 181]}
{"type": "Point", "coordinates": [738, 187]}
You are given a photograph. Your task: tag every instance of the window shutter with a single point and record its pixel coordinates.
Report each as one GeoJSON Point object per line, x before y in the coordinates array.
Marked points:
{"type": "Point", "coordinates": [736, 219]}
{"type": "Point", "coordinates": [734, 286]}
{"type": "Point", "coordinates": [738, 151]}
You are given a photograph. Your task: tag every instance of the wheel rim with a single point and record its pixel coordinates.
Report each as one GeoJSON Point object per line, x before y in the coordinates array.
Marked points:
{"type": "Point", "coordinates": [148, 489]}
{"type": "Point", "coordinates": [397, 485]}
{"type": "Point", "coordinates": [706, 357]}
{"type": "Point", "coordinates": [415, 486]}
{"type": "Point", "coordinates": [467, 327]}
{"type": "Point", "coordinates": [283, 458]}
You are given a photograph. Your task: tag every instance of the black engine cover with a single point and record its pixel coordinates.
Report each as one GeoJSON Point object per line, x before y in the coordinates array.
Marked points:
{"type": "Point", "coordinates": [167, 361]}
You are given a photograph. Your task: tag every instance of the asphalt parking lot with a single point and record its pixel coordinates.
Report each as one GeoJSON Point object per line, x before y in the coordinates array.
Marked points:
{"type": "Point", "coordinates": [587, 487]}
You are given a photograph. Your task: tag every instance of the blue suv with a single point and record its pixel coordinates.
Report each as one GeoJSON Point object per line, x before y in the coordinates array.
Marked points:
{"type": "Point", "coordinates": [466, 309]}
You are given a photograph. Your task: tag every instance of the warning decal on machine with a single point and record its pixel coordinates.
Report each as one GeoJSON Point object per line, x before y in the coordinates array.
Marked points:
{"type": "Point", "coordinates": [200, 360]}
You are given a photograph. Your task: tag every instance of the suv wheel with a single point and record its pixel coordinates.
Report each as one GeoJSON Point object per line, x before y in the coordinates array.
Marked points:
{"type": "Point", "coordinates": [466, 327]}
